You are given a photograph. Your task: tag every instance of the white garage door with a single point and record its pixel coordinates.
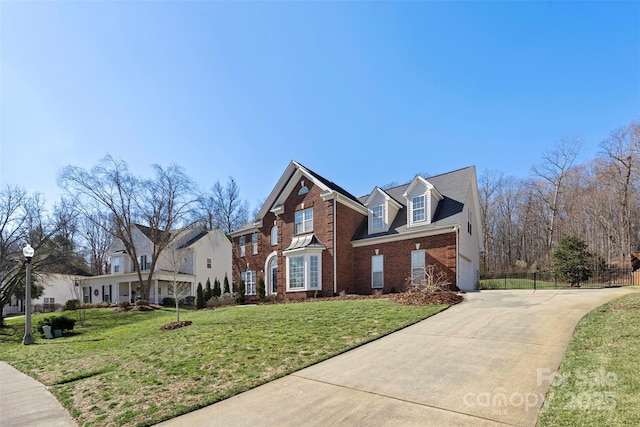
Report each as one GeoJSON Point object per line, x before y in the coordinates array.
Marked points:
{"type": "Point", "coordinates": [466, 276]}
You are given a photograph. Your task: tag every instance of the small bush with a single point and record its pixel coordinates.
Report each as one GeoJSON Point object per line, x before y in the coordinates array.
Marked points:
{"type": "Point", "coordinates": [168, 301]}
{"type": "Point", "coordinates": [262, 293]}
{"type": "Point", "coordinates": [63, 323]}
{"type": "Point", "coordinates": [190, 300]}
{"type": "Point", "coordinates": [123, 304]}
{"type": "Point", "coordinates": [72, 304]}
{"type": "Point", "coordinates": [141, 302]}
{"type": "Point", "coordinates": [221, 301]}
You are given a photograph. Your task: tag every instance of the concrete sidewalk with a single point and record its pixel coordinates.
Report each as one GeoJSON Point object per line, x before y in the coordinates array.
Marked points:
{"type": "Point", "coordinates": [486, 362]}
{"type": "Point", "coordinates": [26, 402]}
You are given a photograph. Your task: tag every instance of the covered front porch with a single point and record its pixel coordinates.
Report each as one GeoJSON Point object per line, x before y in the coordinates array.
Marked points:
{"type": "Point", "coordinates": [126, 287]}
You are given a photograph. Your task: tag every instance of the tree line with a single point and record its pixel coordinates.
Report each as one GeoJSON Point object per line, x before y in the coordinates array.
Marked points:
{"type": "Point", "coordinates": [100, 205]}
{"type": "Point", "coordinates": [597, 202]}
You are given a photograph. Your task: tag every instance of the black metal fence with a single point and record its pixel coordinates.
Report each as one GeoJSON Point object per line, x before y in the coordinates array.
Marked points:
{"type": "Point", "coordinates": [613, 277]}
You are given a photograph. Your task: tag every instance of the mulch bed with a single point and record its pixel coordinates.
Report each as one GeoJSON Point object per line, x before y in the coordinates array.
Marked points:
{"type": "Point", "coordinates": [176, 325]}
{"type": "Point", "coordinates": [405, 298]}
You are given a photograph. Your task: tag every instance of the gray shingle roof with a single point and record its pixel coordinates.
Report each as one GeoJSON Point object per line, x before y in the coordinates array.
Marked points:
{"type": "Point", "coordinates": [454, 186]}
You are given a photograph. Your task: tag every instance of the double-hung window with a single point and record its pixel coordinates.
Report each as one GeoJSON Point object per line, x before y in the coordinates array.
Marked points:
{"type": "Point", "coordinates": [377, 271]}
{"type": "Point", "coordinates": [418, 208]}
{"type": "Point", "coordinates": [377, 217]}
{"type": "Point", "coordinates": [274, 235]}
{"type": "Point", "coordinates": [115, 265]}
{"type": "Point", "coordinates": [143, 261]}
{"type": "Point", "coordinates": [304, 221]}
{"type": "Point", "coordinates": [254, 243]}
{"type": "Point", "coordinates": [418, 267]}
{"type": "Point", "coordinates": [241, 244]}
{"type": "Point", "coordinates": [249, 278]}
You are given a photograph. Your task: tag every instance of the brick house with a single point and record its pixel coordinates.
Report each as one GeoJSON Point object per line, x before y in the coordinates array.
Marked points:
{"type": "Point", "coordinates": [312, 237]}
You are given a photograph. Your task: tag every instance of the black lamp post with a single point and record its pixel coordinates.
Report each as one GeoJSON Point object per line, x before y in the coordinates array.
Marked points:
{"type": "Point", "coordinates": [27, 251]}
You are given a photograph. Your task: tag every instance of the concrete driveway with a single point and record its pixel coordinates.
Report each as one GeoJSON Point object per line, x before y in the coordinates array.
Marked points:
{"type": "Point", "coordinates": [488, 361]}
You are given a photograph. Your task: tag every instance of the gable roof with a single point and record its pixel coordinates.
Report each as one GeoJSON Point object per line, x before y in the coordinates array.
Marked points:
{"type": "Point", "coordinates": [286, 180]}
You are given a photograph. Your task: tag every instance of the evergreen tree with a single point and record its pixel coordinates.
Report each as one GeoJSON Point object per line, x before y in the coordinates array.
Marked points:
{"type": "Point", "coordinates": [208, 293]}
{"type": "Point", "coordinates": [216, 288]}
{"type": "Point", "coordinates": [227, 290]}
{"type": "Point", "coordinates": [200, 297]}
{"type": "Point", "coordinates": [261, 289]}
{"type": "Point", "coordinates": [240, 294]}
{"type": "Point", "coordinates": [572, 260]}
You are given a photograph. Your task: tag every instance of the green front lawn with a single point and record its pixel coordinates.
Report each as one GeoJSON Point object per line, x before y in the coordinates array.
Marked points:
{"type": "Point", "coordinates": [598, 383]}
{"type": "Point", "coordinates": [123, 370]}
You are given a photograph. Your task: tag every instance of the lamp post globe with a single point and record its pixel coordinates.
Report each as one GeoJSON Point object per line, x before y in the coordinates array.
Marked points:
{"type": "Point", "coordinates": [28, 252]}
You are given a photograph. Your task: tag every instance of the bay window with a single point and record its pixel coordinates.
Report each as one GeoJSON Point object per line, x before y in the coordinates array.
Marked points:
{"type": "Point", "coordinates": [304, 270]}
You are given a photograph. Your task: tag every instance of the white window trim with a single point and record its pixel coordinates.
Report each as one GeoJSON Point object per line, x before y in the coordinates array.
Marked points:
{"type": "Point", "coordinates": [241, 244]}
{"type": "Point", "coordinates": [306, 254]}
{"type": "Point", "coordinates": [423, 209]}
{"type": "Point", "coordinates": [254, 244]}
{"type": "Point", "coordinates": [243, 276]}
{"type": "Point", "coordinates": [424, 262]}
{"type": "Point", "coordinates": [374, 271]}
{"type": "Point", "coordinates": [306, 224]}
{"type": "Point", "coordinates": [381, 217]}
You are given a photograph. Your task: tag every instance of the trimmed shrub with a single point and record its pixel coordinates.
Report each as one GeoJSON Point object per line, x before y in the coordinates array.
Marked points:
{"type": "Point", "coordinates": [262, 292]}
{"type": "Point", "coordinates": [216, 288]}
{"type": "Point", "coordinates": [168, 301]}
{"type": "Point", "coordinates": [190, 300]}
{"type": "Point", "coordinates": [240, 293]}
{"type": "Point", "coordinates": [123, 304]}
{"type": "Point", "coordinates": [142, 302]}
{"type": "Point", "coordinates": [227, 289]}
{"type": "Point", "coordinates": [63, 323]}
{"type": "Point", "coordinates": [72, 304]}
{"type": "Point", "coordinates": [200, 296]}
{"type": "Point", "coordinates": [208, 293]}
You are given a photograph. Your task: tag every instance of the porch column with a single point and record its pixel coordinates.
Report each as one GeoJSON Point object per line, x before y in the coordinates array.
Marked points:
{"type": "Point", "coordinates": [129, 292]}
{"type": "Point", "coordinates": [155, 284]}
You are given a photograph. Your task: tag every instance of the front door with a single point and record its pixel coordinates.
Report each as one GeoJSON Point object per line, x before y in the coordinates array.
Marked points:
{"type": "Point", "coordinates": [273, 274]}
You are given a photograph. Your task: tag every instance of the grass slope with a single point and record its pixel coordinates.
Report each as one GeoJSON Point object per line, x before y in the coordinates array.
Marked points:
{"type": "Point", "coordinates": [123, 370]}
{"type": "Point", "coordinates": [598, 383]}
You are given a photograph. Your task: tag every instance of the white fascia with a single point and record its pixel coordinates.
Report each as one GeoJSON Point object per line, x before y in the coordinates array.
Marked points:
{"type": "Point", "coordinates": [334, 195]}
{"type": "Point", "coordinates": [424, 232]}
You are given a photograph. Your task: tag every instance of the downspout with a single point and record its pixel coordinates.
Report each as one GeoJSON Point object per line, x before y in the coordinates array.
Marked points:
{"type": "Point", "coordinates": [335, 262]}
{"type": "Point", "coordinates": [457, 230]}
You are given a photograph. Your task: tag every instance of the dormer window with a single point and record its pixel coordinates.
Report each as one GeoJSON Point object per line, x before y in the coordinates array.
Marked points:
{"type": "Point", "coordinates": [422, 202]}
{"type": "Point", "coordinates": [418, 208]}
{"type": "Point", "coordinates": [377, 217]}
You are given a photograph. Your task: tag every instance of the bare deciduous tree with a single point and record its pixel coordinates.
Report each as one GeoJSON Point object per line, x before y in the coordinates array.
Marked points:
{"type": "Point", "coordinates": [23, 219]}
{"type": "Point", "coordinates": [222, 207]}
{"type": "Point", "coordinates": [556, 164]}
{"type": "Point", "coordinates": [110, 189]}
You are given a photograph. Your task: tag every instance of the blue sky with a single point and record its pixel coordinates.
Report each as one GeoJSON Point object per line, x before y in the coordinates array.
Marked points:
{"type": "Point", "coordinates": [364, 93]}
